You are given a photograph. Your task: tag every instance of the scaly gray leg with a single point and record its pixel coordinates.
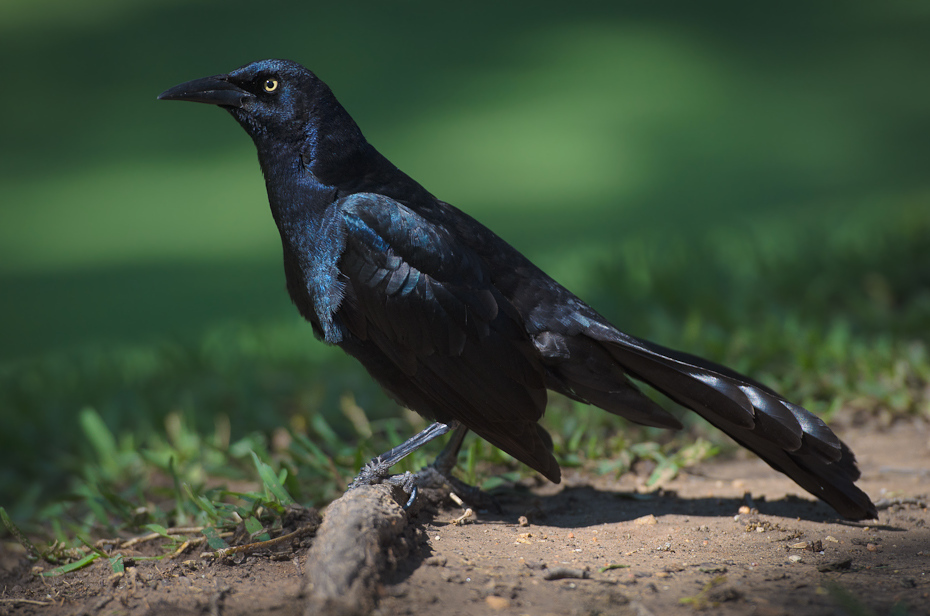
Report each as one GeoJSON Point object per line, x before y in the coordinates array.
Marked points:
{"type": "Point", "coordinates": [378, 470]}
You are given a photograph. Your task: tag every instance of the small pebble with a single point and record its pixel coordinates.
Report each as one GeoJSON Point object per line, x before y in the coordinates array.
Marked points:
{"type": "Point", "coordinates": [561, 573]}
{"type": "Point", "coordinates": [646, 520]}
{"type": "Point", "coordinates": [840, 565]}
{"type": "Point", "coordinates": [497, 603]}
{"type": "Point", "coordinates": [795, 558]}
{"type": "Point", "coordinates": [533, 565]}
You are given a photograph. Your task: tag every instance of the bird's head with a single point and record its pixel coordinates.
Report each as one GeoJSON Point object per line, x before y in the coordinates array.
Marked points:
{"type": "Point", "coordinates": [279, 103]}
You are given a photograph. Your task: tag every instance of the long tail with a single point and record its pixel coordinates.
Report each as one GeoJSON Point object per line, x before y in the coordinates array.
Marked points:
{"type": "Point", "coordinates": [786, 436]}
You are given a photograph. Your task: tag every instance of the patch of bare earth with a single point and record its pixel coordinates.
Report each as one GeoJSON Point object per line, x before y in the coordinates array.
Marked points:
{"type": "Point", "coordinates": [587, 546]}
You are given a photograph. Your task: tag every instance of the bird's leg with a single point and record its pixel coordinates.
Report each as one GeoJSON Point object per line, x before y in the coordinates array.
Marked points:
{"type": "Point", "coordinates": [378, 470]}
{"type": "Point", "coordinates": [448, 457]}
{"type": "Point", "coordinates": [445, 462]}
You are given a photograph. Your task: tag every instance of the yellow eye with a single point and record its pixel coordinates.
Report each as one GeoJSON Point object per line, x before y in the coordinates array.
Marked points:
{"type": "Point", "coordinates": [270, 85]}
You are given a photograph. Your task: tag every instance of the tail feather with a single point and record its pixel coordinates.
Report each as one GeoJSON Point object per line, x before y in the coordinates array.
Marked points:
{"type": "Point", "coordinates": [786, 436]}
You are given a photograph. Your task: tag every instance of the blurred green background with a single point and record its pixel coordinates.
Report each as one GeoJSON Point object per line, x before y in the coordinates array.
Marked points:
{"type": "Point", "coordinates": [688, 168]}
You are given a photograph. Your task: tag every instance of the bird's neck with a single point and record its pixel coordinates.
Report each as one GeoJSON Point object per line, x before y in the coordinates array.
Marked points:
{"type": "Point", "coordinates": [333, 148]}
{"type": "Point", "coordinates": [327, 159]}
{"type": "Point", "coordinates": [312, 236]}
{"type": "Point", "coordinates": [298, 198]}
{"type": "Point", "coordinates": [337, 154]}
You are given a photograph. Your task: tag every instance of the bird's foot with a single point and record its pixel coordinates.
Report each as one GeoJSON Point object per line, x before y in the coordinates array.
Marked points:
{"type": "Point", "coordinates": [377, 471]}
{"type": "Point", "coordinates": [371, 474]}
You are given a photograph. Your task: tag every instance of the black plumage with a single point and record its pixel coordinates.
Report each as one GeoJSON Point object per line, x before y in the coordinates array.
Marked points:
{"type": "Point", "coordinates": [456, 324]}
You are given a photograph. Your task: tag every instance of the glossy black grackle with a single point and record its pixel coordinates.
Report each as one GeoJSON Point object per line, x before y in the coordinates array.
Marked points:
{"type": "Point", "coordinates": [457, 325]}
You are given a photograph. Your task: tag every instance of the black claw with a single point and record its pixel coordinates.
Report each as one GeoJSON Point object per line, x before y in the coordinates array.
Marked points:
{"type": "Point", "coordinates": [413, 496]}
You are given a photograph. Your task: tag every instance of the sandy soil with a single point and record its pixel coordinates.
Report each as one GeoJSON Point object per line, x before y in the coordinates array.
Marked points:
{"type": "Point", "coordinates": [589, 546]}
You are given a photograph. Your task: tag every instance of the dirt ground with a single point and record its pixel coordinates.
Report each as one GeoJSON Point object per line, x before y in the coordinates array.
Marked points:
{"type": "Point", "coordinates": [588, 546]}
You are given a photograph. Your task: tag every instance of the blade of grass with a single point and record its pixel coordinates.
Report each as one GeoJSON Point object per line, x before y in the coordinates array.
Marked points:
{"type": "Point", "coordinates": [116, 563]}
{"type": "Point", "coordinates": [203, 503]}
{"type": "Point", "coordinates": [272, 482]}
{"type": "Point", "coordinates": [158, 528]}
{"type": "Point", "coordinates": [213, 539]}
{"type": "Point", "coordinates": [23, 540]}
{"type": "Point", "coordinates": [254, 527]}
{"type": "Point", "coordinates": [78, 564]}
{"type": "Point", "coordinates": [100, 437]}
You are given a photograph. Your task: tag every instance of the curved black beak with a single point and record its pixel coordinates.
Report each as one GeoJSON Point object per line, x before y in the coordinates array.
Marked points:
{"type": "Point", "coordinates": [214, 90]}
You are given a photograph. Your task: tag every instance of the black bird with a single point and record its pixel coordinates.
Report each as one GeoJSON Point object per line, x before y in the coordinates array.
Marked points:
{"type": "Point", "coordinates": [456, 324]}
